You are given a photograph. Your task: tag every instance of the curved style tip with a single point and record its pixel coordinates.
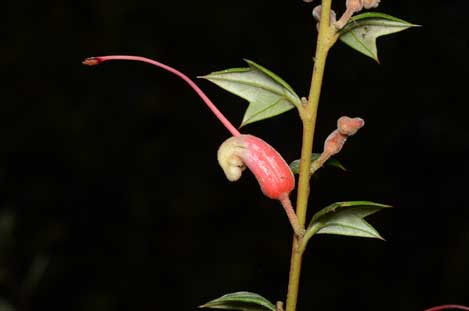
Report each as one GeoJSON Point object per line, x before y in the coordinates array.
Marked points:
{"type": "Point", "coordinates": [91, 61]}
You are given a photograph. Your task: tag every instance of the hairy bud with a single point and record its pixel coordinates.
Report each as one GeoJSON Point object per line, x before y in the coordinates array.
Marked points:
{"type": "Point", "coordinates": [349, 126]}
{"type": "Point", "coordinates": [346, 127]}
{"type": "Point", "coordinates": [317, 14]}
{"type": "Point", "coordinates": [369, 4]}
{"type": "Point", "coordinates": [352, 7]}
{"type": "Point", "coordinates": [334, 143]}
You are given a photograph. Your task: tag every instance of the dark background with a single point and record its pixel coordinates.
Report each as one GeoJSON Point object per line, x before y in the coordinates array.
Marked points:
{"type": "Point", "coordinates": [110, 194]}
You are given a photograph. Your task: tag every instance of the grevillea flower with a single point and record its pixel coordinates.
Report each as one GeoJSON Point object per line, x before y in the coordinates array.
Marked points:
{"type": "Point", "coordinates": [240, 151]}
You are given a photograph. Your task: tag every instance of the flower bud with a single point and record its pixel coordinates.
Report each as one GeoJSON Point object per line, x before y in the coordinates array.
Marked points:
{"type": "Point", "coordinates": [349, 126]}
{"type": "Point", "coordinates": [317, 14]}
{"type": "Point", "coordinates": [270, 169]}
{"type": "Point", "coordinates": [369, 4]}
{"type": "Point", "coordinates": [354, 5]}
{"type": "Point", "coordinates": [334, 143]}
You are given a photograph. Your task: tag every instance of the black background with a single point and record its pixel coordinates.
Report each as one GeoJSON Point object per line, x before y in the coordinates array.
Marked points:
{"type": "Point", "coordinates": [110, 194]}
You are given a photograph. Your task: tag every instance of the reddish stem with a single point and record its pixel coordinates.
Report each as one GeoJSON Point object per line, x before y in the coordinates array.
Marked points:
{"type": "Point", "coordinates": [444, 307]}
{"type": "Point", "coordinates": [92, 61]}
{"type": "Point", "coordinates": [287, 206]}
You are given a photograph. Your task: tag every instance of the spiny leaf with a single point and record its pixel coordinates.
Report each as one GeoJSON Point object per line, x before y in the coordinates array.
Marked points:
{"type": "Point", "coordinates": [244, 301]}
{"type": "Point", "coordinates": [268, 95]}
{"type": "Point", "coordinates": [361, 31]}
{"type": "Point", "coordinates": [346, 218]}
{"type": "Point", "coordinates": [295, 165]}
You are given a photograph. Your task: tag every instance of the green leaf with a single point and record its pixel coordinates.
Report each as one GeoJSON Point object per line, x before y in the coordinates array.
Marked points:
{"type": "Point", "coordinates": [346, 218]}
{"type": "Point", "coordinates": [362, 30]}
{"type": "Point", "coordinates": [268, 95]}
{"type": "Point", "coordinates": [295, 165]}
{"type": "Point", "coordinates": [244, 301]}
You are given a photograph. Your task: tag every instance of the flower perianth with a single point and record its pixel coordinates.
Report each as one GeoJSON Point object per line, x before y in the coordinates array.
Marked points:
{"type": "Point", "coordinates": [271, 171]}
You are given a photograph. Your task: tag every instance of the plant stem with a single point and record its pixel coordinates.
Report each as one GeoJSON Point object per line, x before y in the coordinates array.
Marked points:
{"type": "Point", "coordinates": [308, 113]}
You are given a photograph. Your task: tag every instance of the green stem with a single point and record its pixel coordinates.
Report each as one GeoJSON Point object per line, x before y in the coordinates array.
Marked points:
{"type": "Point", "coordinates": [326, 38]}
